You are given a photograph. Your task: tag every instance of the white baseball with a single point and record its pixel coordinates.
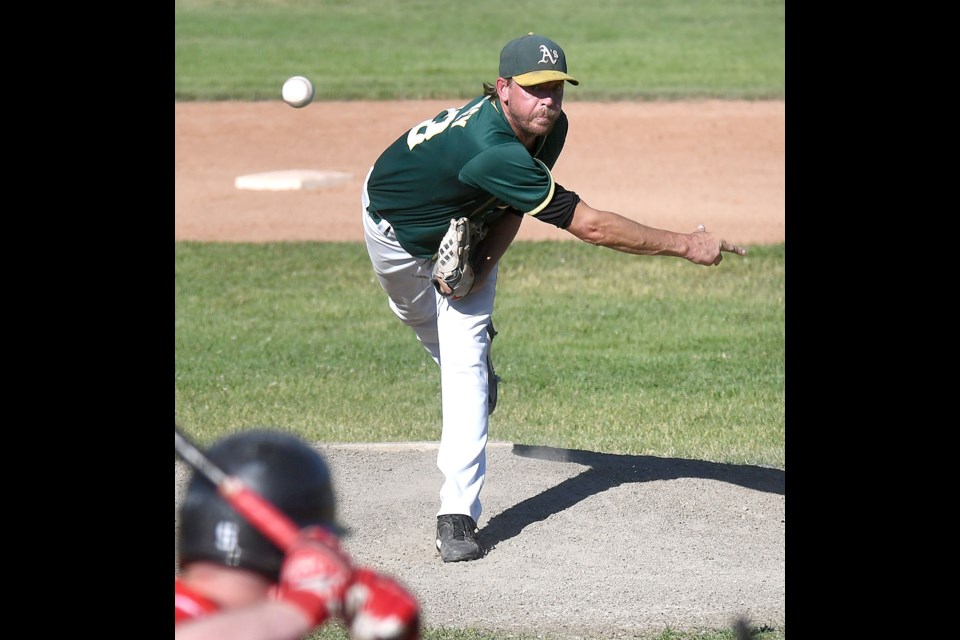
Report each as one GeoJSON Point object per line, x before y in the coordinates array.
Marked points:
{"type": "Point", "coordinates": [297, 91]}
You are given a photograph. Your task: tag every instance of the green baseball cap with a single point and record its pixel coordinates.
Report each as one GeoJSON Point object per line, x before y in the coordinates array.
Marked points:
{"type": "Point", "coordinates": [532, 59]}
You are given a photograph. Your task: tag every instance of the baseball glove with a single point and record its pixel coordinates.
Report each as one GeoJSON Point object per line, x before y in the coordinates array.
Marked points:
{"type": "Point", "coordinates": [453, 260]}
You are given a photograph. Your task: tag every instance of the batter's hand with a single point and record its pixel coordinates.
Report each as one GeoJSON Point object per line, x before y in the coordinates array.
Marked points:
{"type": "Point", "coordinates": [377, 607]}
{"type": "Point", "coordinates": [707, 248]}
{"type": "Point", "coordinates": [315, 575]}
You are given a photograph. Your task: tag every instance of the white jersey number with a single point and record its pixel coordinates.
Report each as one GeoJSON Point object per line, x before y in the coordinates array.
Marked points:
{"type": "Point", "coordinates": [429, 128]}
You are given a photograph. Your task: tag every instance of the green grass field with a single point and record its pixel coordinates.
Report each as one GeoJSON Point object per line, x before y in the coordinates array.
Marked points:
{"type": "Point", "coordinates": [658, 356]}
{"type": "Point", "coordinates": [387, 49]}
{"type": "Point", "coordinates": [667, 358]}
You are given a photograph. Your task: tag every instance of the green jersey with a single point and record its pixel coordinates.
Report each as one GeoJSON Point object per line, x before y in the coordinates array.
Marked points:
{"type": "Point", "coordinates": [464, 162]}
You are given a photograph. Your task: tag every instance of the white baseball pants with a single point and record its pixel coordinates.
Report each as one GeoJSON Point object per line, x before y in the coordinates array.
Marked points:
{"type": "Point", "coordinates": [454, 333]}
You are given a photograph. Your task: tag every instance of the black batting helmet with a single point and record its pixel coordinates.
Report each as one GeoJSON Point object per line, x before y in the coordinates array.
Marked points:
{"type": "Point", "coordinates": [283, 469]}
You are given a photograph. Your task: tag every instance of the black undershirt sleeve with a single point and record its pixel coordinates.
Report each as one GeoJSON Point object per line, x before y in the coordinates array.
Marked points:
{"type": "Point", "coordinates": [559, 212]}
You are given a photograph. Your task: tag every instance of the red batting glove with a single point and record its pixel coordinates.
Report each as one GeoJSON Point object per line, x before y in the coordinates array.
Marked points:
{"type": "Point", "coordinates": [315, 575]}
{"type": "Point", "coordinates": [379, 608]}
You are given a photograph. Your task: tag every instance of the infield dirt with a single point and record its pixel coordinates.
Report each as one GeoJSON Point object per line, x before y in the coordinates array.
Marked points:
{"type": "Point", "coordinates": [668, 165]}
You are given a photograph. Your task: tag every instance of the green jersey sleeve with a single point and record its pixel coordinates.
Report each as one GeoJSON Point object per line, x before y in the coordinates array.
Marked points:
{"type": "Point", "coordinates": [515, 177]}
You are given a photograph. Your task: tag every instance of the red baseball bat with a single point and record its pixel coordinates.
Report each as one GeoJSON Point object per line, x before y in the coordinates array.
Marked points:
{"type": "Point", "coordinates": [269, 520]}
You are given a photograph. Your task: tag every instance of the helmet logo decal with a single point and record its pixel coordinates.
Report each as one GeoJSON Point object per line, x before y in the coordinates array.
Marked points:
{"type": "Point", "coordinates": [548, 56]}
{"type": "Point", "coordinates": [227, 536]}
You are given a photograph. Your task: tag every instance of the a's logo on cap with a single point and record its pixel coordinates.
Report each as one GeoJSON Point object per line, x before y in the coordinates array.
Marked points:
{"type": "Point", "coordinates": [548, 56]}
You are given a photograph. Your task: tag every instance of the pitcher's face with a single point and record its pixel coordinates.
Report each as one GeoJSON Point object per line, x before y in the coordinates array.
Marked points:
{"type": "Point", "coordinates": [534, 109]}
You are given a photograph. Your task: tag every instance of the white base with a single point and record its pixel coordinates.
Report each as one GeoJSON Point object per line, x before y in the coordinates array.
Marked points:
{"type": "Point", "coordinates": [290, 180]}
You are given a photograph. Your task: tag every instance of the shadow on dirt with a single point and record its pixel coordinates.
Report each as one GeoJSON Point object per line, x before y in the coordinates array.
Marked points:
{"type": "Point", "coordinates": [610, 470]}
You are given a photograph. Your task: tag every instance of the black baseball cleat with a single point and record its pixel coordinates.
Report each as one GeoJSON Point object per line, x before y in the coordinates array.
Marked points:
{"type": "Point", "coordinates": [493, 380]}
{"type": "Point", "coordinates": [457, 538]}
